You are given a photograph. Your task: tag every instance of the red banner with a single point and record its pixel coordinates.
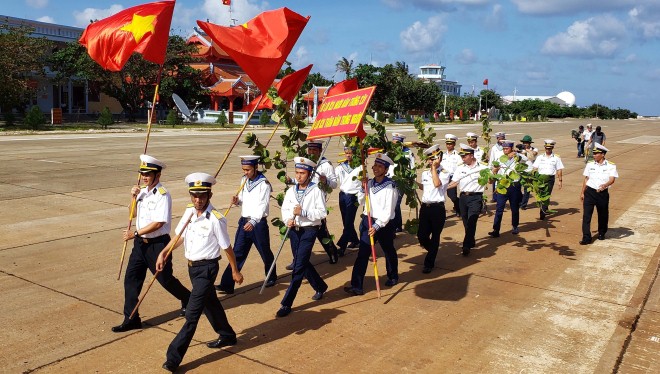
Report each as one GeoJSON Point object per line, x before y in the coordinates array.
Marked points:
{"type": "Point", "coordinates": [342, 114]}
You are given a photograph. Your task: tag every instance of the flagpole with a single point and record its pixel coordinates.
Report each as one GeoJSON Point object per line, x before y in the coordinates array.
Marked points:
{"type": "Point", "coordinates": [286, 234]}
{"type": "Point", "coordinates": [367, 204]}
{"type": "Point", "coordinates": [273, 133]}
{"type": "Point", "coordinates": [239, 136]}
{"type": "Point", "coordinates": [146, 144]}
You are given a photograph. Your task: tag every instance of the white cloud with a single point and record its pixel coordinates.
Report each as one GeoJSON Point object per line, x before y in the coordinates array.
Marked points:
{"type": "Point", "coordinates": [600, 36]}
{"type": "Point", "coordinates": [47, 19]}
{"type": "Point", "coordinates": [90, 14]}
{"type": "Point", "coordinates": [653, 74]}
{"type": "Point", "coordinates": [495, 20]}
{"type": "Point", "coordinates": [300, 57]}
{"type": "Point", "coordinates": [37, 4]}
{"type": "Point", "coordinates": [646, 19]}
{"type": "Point", "coordinates": [423, 37]}
{"type": "Point", "coordinates": [544, 7]}
{"type": "Point", "coordinates": [213, 11]}
{"type": "Point", "coordinates": [466, 57]}
{"type": "Point", "coordinates": [434, 4]}
{"type": "Point", "coordinates": [630, 58]}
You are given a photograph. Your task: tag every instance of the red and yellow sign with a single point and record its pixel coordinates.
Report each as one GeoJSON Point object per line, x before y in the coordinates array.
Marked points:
{"type": "Point", "coordinates": [342, 114]}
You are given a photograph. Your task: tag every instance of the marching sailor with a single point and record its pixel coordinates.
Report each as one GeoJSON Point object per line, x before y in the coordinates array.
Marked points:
{"type": "Point", "coordinates": [398, 218]}
{"type": "Point", "coordinates": [350, 197]}
{"type": "Point", "coordinates": [513, 192]}
{"type": "Point", "coordinates": [450, 161]}
{"type": "Point", "coordinates": [472, 142]}
{"type": "Point", "coordinates": [549, 163]}
{"type": "Point", "coordinates": [599, 175]}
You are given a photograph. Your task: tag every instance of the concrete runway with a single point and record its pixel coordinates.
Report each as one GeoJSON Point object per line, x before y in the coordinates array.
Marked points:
{"type": "Point", "coordinates": [536, 302]}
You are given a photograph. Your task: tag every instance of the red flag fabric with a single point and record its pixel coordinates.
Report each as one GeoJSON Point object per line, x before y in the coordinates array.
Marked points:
{"type": "Point", "coordinates": [143, 28]}
{"type": "Point", "coordinates": [486, 82]}
{"type": "Point", "coordinates": [343, 86]}
{"type": "Point", "coordinates": [261, 45]}
{"type": "Point", "coordinates": [226, 2]}
{"type": "Point", "coordinates": [287, 88]}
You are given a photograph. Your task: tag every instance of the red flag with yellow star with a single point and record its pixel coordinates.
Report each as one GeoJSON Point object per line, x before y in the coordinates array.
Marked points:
{"type": "Point", "coordinates": [287, 88]}
{"type": "Point", "coordinates": [261, 45]}
{"type": "Point", "coordinates": [144, 29]}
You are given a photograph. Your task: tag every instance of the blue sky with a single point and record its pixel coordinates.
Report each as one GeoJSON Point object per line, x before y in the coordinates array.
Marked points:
{"type": "Point", "coordinates": [605, 51]}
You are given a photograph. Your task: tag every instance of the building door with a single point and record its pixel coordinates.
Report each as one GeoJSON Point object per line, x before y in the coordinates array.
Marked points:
{"type": "Point", "coordinates": [56, 97]}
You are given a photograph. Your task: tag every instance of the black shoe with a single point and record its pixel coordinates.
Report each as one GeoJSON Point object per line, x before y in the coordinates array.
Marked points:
{"type": "Point", "coordinates": [466, 252]}
{"type": "Point", "coordinates": [289, 266]}
{"type": "Point", "coordinates": [392, 282]}
{"type": "Point", "coordinates": [353, 291]}
{"type": "Point", "coordinates": [318, 295]}
{"type": "Point", "coordinates": [334, 257]}
{"type": "Point", "coordinates": [224, 290]}
{"type": "Point", "coordinates": [271, 283]}
{"type": "Point", "coordinates": [523, 207]}
{"type": "Point", "coordinates": [354, 245]}
{"type": "Point", "coordinates": [585, 241]}
{"type": "Point", "coordinates": [494, 234]}
{"type": "Point", "coordinates": [135, 324]}
{"type": "Point", "coordinates": [341, 252]}
{"type": "Point", "coordinates": [398, 229]}
{"type": "Point", "coordinates": [515, 231]}
{"type": "Point", "coordinates": [225, 341]}
{"type": "Point", "coordinates": [283, 311]}
{"type": "Point", "coordinates": [542, 216]}
{"type": "Point", "coordinates": [169, 366]}
{"type": "Point", "coordinates": [427, 269]}
{"type": "Point", "coordinates": [601, 236]}
{"type": "Point", "coordinates": [182, 313]}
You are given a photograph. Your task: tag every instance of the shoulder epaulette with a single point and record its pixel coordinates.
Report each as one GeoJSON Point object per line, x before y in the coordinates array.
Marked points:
{"type": "Point", "coordinates": [162, 190]}
{"type": "Point", "coordinates": [483, 163]}
{"type": "Point", "coordinates": [556, 154]}
{"type": "Point", "coordinates": [217, 214]}
{"type": "Point", "coordinates": [190, 205]}
{"type": "Point", "coordinates": [610, 162]}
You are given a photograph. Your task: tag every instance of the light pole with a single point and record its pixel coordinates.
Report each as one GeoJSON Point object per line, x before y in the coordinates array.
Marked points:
{"type": "Point", "coordinates": [444, 108]}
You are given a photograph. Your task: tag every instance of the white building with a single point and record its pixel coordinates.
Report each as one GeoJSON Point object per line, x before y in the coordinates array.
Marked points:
{"type": "Point", "coordinates": [564, 98]}
{"type": "Point", "coordinates": [436, 74]}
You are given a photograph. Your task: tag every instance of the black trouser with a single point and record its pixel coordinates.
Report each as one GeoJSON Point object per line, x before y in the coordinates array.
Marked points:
{"type": "Point", "coordinates": [348, 206]}
{"type": "Point", "coordinates": [547, 190]}
{"type": "Point", "coordinates": [384, 236]}
{"type": "Point", "coordinates": [202, 299]}
{"type": "Point", "coordinates": [471, 204]}
{"type": "Point", "coordinates": [398, 218]}
{"type": "Point", "coordinates": [432, 217]}
{"type": "Point", "coordinates": [323, 233]}
{"type": "Point", "coordinates": [302, 241]}
{"type": "Point", "coordinates": [601, 201]}
{"type": "Point", "coordinates": [452, 195]}
{"type": "Point", "coordinates": [143, 257]}
{"type": "Point", "coordinates": [513, 195]}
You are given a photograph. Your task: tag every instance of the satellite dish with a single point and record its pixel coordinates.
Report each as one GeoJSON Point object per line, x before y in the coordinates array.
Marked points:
{"type": "Point", "coordinates": [183, 108]}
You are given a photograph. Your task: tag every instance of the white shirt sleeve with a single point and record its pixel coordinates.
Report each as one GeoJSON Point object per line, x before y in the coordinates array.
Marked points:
{"type": "Point", "coordinates": [220, 232]}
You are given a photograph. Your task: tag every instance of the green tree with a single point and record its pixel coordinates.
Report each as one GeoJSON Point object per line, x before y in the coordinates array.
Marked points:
{"type": "Point", "coordinates": [135, 83]}
{"type": "Point", "coordinates": [172, 118]}
{"type": "Point", "coordinates": [35, 118]}
{"type": "Point", "coordinates": [315, 79]}
{"type": "Point", "coordinates": [21, 57]}
{"type": "Point", "coordinates": [264, 118]}
{"type": "Point", "coordinates": [345, 66]}
{"type": "Point", "coordinates": [222, 119]}
{"type": "Point", "coordinates": [105, 118]}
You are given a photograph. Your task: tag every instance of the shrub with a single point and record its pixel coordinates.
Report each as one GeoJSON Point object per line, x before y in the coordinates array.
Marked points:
{"type": "Point", "coordinates": [264, 118]}
{"type": "Point", "coordinates": [35, 118]}
{"type": "Point", "coordinates": [381, 117]}
{"type": "Point", "coordinates": [105, 118]}
{"type": "Point", "coordinates": [409, 118]}
{"type": "Point", "coordinates": [391, 118]}
{"type": "Point", "coordinates": [172, 118]}
{"type": "Point", "coordinates": [222, 119]}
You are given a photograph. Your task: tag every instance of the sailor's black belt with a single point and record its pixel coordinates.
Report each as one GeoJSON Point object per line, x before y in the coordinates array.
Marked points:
{"type": "Point", "coordinates": [202, 262]}
{"type": "Point", "coordinates": [159, 239]}
{"type": "Point", "coordinates": [471, 193]}
{"type": "Point", "coordinates": [434, 203]}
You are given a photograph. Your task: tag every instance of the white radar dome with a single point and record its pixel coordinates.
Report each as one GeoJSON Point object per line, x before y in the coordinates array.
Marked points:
{"type": "Point", "coordinates": [567, 97]}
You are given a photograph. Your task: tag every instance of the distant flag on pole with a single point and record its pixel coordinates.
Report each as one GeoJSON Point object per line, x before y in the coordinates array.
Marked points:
{"type": "Point", "coordinates": [486, 82]}
{"type": "Point", "coordinates": [260, 46]}
{"type": "Point", "coordinates": [143, 29]}
{"type": "Point", "coordinates": [343, 86]}
{"type": "Point", "coordinates": [226, 2]}
{"type": "Point", "coordinates": [287, 89]}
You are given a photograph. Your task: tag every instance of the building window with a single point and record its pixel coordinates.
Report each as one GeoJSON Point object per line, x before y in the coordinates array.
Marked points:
{"type": "Point", "coordinates": [94, 92]}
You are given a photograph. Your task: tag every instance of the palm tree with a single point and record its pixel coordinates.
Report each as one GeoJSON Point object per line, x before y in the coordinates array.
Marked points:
{"type": "Point", "coordinates": [345, 66]}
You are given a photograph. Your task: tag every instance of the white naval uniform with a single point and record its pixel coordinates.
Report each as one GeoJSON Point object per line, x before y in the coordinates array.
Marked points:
{"type": "Point", "coordinates": [154, 205]}
{"type": "Point", "coordinates": [431, 193]}
{"type": "Point", "coordinates": [479, 153]}
{"type": "Point", "coordinates": [205, 235]}
{"type": "Point", "coordinates": [495, 153]}
{"type": "Point", "coordinates": [599, 174]}
{"type": "Point", "coordinates": [349, 180]}
{"type": "Point", "coordinates": [548, 165]}
{"type": "Point", "coordinates": [450, 161]}
{"type": "Point", "coordinates": [468, 177]}
{"type": "Point", "coordinates": [325, 169]}
{"type": "Point", "coordinates": [254, 198]}
{"type": "Point", "coordinates": [382, 198]}
{"type": "Point", "coordinates": [312, 201]}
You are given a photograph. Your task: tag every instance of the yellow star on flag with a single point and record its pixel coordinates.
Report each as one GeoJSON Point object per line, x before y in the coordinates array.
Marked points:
{"type": "Point", "coordinates": [139, 26]}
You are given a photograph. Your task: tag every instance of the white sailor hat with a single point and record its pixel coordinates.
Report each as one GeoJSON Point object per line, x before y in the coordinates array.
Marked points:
{"type": "Point", "coordinates": [304, 163]}
{"type": "Point", "coordinates": [347, 146]}
{"type": "Point", "coordinates": [507, 144]}
{"type": "Point", "coordinates": [383, 159]}
{"type": "Point", "coordinates": [149, 164]}
{"type": "Point", "coordinates": [199, 182]}
{"type": "Point", "coordinates": [500, 135]}
{"type": "Point", "coordinates": [451, 138]}
{"type": "Point", "coordinates": [249, 160]}
{"type": "Point", "coordinates": [433, 151]}
{"type": "Point", "coordinates": [549, 143]}
{"type": "Point", "coordinates": [599, 148]}
{"type": "Point", "coordinates": [466, 150]}
{"type": "Point", "coordinates": [471, 136]}
{"type": "Point", "coordinates": [589, 125]}
{"type": "Point", "coordinates": [315, 144]}
{"type": "Point", "coordinates": [398, 136]}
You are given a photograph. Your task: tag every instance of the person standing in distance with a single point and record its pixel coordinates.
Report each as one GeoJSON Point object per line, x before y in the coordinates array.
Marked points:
{"type": "Point", "coordinates": [599, 175]}
{"type": "Point", "coordinates": [204, 235]}
{"type": "Point", "coordinates": [152, 233]}
{"type": "Point", "coordinates": [303, 210]}
{"type": "Point", "coordinates": [253, 225]}
{"type": "Point", "coordinates": [466, 179]}
{"type": "Point", "coordinates": [432, 214]}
